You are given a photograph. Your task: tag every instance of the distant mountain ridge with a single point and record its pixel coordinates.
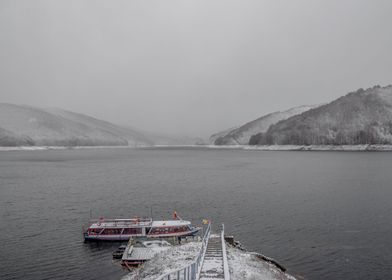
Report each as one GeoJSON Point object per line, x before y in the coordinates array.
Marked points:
{"type": "Point", "coordinates": [242, 134]}
{"type": "Point", "coordinates": [29, 126]}
{"type": "Point", "coordinates": [360, 117]}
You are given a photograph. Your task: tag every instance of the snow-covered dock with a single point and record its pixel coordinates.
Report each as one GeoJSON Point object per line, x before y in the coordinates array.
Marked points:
{"type": "Point", "coordinates": [209, 259]}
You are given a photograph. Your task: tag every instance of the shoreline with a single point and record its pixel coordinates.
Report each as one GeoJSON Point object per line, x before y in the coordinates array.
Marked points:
{"type": "Point", "coordinates": [358, 148]}
{"type": "Point", "coordinates": [46, 148]}
{"type": "Point", "coordinates": [364, 148]}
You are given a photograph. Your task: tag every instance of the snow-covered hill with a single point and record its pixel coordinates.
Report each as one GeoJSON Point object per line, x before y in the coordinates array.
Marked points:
{"type": "Point", "coordinates": [219, 135]}
{"type": "Point", "coordinates": [361, 117]}
{"type": "Point", "coordinates": [29, 126]}
{"type": "Point", "coordinates": [241, 135]}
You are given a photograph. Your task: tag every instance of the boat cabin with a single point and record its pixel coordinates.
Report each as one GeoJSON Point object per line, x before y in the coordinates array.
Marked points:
{"type": "Point", "coordinates": [123, 229]}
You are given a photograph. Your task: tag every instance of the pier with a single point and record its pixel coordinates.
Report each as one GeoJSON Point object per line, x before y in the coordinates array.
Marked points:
{"type": "Point", "coordinates": [211, 262]}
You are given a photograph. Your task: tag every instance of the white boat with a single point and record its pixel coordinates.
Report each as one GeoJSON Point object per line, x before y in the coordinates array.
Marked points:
{"type": "Point", "coordinates": [122, 229]}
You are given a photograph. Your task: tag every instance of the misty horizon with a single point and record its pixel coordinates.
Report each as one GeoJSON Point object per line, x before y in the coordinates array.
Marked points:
{"type": "Point", "coordinates": [189, 68]}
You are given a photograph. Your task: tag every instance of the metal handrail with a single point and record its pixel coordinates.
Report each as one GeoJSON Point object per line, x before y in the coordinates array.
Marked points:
{"type": "Point", "coordinates": [224, 255]}
{"type": "Point", "coordinates": [191, 271]}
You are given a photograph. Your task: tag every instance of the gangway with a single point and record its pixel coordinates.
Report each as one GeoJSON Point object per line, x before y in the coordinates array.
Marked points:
{"type": "Point", "coordinates": [213, 260]}
{"type": "Point", "coordinates": [210, 264]}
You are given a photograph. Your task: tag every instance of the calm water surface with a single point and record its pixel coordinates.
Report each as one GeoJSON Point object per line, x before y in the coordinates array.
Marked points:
{"type": "Point", "coordinates": [324, 215]}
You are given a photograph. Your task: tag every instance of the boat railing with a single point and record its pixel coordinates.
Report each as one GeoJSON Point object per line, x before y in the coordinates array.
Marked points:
{"type": "Point", "coordinates": [191, 271]}
{"type": "Point", "coordinates": [122, 220]}
{"type": "Point", "coordinates": [133, 221]}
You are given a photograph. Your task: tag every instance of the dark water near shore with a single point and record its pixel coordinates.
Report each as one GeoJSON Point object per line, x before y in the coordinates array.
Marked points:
{"type": "Point", "coordinates": [324, 215]}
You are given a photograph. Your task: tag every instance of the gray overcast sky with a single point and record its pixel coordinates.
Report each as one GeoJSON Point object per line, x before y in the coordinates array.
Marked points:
{"type": "Point", "coordinates": [190, 67]}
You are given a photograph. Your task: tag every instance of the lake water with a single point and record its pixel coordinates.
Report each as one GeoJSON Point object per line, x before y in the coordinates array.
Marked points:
{"type": "Point", "coordinates": [323, 215]}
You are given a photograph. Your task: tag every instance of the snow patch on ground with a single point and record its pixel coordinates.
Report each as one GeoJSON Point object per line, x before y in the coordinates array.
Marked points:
{"type": "Point", "coordinates": [172, 259]}
{"type": "Point", "coordinates": [247, 266]}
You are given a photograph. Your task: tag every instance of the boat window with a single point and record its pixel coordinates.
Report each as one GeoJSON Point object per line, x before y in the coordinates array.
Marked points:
{"type": "Point", "coordinates": [94, 230]}
{"type": "Point", "coordinates": [178, 229]}
{"type": "Point", "coordinates": [160, 230]}
{"type": "Point", "coordinates": [132, 231]}
{"type": "Point", "coordinates": [111, 231]}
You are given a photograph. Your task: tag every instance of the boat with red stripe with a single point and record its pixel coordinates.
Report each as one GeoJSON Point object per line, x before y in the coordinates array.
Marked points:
{"type": "Point", "coordinates": [123, 229]}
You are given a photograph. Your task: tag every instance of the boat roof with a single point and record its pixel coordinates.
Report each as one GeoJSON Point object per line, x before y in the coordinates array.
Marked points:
{"type": "Point", "coordinates": [170, 223]}
{"type": "Point", "coordinates": [120, 223]}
